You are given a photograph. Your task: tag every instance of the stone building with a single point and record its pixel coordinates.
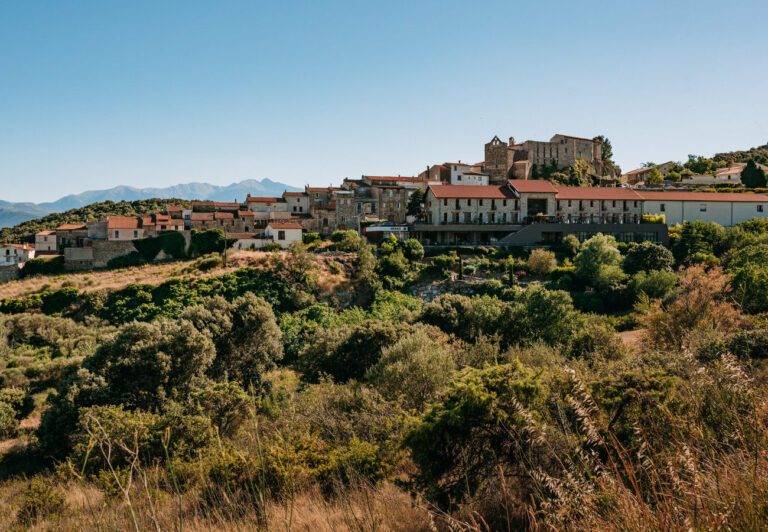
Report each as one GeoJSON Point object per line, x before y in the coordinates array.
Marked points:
{"type": "Point", "coordinates": [505, 160]}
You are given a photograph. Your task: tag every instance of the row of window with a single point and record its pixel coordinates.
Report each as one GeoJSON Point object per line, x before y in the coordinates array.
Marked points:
{"type": "Point", "coordinates": [625, 204]}
{"type": "Point", "coordinates": [480, 203]}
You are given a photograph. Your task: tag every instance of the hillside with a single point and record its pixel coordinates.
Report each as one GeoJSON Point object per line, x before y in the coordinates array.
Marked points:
{"type": "Point", "coordinates": [25, 231]}
{"type": "Point", "coordinates": [15, 213]}
{"type": "Point", "coordinates": [394, 388]}
{"type": "Point", "coordinates": [709, 165]}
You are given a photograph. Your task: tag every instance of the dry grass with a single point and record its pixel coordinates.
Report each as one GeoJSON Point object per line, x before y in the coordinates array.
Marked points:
{"type": "Point", "coordinates": [158, 273]}
{"type": "Point", "coordinates": [385, 508]}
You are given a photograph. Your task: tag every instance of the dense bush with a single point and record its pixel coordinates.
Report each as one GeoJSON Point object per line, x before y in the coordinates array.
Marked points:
{"type": "Point", "coordinates": [43, 266]}
{"type": "Point", "coordinates": [648, 256]}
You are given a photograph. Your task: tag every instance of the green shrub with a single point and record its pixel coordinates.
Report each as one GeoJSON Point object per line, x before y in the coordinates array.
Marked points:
{"type": "Point", "coordinates": [133, 258]}
{"type": "Point", "coordinates": [43, 266]}
{"type": "Point", "coordinates": [9, 421]}
{"type": "Point", "coordinates": [541, 262]}
{"type": "Point", "coordinates": [40, 501]}
{"type": "Point", "coordinates": [271, 246]}
{"type": "Point", "coordinates": [310, 238]}
{"type": "Point", "coordinates": [18, 399]}
{"type": "Point", "coordinates": [208, 262]}
{"type": "Point", "coordinates": [209, 241]}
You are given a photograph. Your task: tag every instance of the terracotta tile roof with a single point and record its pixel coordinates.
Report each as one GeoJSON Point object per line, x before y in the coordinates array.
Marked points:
{"type": "Point", "coordinates": [470, 191]}
{"type": "Point", "coordinates": [24, 247]}
{"type": "Point", "coordinates": [392, 178]}
{"type": "Point", "coordinates": [577, 138]}
{"type": "Point", "coordinates": [318, 189]}
{"type": "Point", "coordinates": [293, 193]}
{"type": "Point", "coordinates": [532, 186]}
{"type": "Point", "coordinates": [597, 193]}
{"type": "Point", "coordinates": [48, 232]}
{"type": "Point", "coordinates": [201, 216]}
{"type": "Point", "coordinates": [284, 225]}
{"type": "Point", "coordinates": [702, 196]}
{"type": "Point", "coordinates": [123, 222]}
{"type": "Point", "coordinates": [245, 213]}
{"type": "Point", "coordinates": [70, 227]}
{"type": "Point", "coordinates": [637, 171]}
{"type": "Point", "coordinates": [262, 199]}
{"type": "Point", "coordinates": [223, 215]}
{"type": "Point", "coordinates": [215, 203]}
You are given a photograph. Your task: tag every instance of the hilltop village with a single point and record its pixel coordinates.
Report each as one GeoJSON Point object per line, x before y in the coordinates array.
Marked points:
{"type": "Point", "coordinates": [515, 196]}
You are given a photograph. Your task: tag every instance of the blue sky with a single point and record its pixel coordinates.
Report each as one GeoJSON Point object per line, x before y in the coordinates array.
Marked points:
{"type": "Point", "coordinates": [97, 94]}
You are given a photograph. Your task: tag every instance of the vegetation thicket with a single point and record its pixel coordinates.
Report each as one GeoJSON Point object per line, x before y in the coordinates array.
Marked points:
{"type": "Point", "coordinates": [586, 385]}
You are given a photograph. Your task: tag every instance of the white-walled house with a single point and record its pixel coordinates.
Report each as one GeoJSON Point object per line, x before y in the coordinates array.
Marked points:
{"type": "Point", "coordinates": [124, 228]}
{"type": "Point", "coordinates": [462, 174]}
{"type": "Point", "coordinates": [15, 254]}
{"type": "Point", "coordinates": [45, 241]}
{"type": "Point", "coordinates": [724, 208]}
{"type": "Point", "coordinates": [284, 233]}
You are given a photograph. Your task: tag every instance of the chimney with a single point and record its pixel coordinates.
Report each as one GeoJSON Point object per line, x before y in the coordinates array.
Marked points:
{"type": "Point", "coordinates": [511, 140]}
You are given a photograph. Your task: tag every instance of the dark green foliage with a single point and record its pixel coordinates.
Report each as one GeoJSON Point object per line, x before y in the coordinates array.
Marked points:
{"type": "Point", "coordinates": [648, 256]}
{"type": "Point", "coordinates": [170, 242]}
{"type": "Point", "coordinates": [209, 241]}
{"type": "Point", "coordinates": [347, 240]}
{"type": "Point", "coordinates": [413, 250]}
{"type": "Point", "coordinates": [149, 363]}
{"type": "Point", "coordinates": [134, 258]}
{"type": "Point", "coordinates": [95, 211]}
{"type": "Point", "coordinates": [145, 302]}
{"type": "Point", "coordinates": [246, 336]}
{"type": "Point", "coordinates": [414, 203]}
{"type": "Point", "coordinates": [752, 176]}
{"type": "Point", "coordinates": [345, 353]}
{"type": "Point", "coordinates": [696, 237]}
{"type": "Point", "coordinates": [271, 246]}
{"type": "Point", "coordinates": [58, 301]}
{"type": "Point", "coordinates": [40, 500]}
{"type": "Point", "coordinates": [476, 426]}
{"type": "Point", "coordinates": [310, 238]}
{"type": "Point", "coordinates": [43, 266]}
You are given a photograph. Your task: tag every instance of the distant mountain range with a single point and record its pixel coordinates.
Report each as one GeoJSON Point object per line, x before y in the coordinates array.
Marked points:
{"type": "Point", "coordinates": [16, 213]}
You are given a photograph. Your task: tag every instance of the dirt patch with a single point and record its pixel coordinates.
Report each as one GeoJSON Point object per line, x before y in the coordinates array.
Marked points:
{"type": "Point", "coordinates": [632, 338]}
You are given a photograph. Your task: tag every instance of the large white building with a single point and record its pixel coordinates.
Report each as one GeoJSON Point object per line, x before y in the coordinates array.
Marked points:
{"type": "Point", "coordinates": [15, 254]}
{"type": "Point", "coordinates": [726, 209]}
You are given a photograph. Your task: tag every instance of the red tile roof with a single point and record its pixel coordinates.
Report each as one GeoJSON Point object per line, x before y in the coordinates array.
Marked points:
{"type": "Point", "coordinates": [24, 247]}
{"type": "Point", "coordinates": [284, 225]}
{"type": "Point", "coordinates": [201, 216]}
{"type": "Point", "coordinates": [391, 178]}
{"type": "Point", "coordinates": [215, 203]}
{"type": "Point", "coordinates": [703, 196]}
{"type": "Point", "coordinates": [293, 193]}
{"type": "Point", "coordinates": [245, 213]}
{"type": "Point", "coordinates": [471, 191]}
{"type": "Point", "coordinates": [223, 215]}
{"type": "Point", "coordinates": [597, 193]}
{"type": "Point", "coordinates": [123, 222]}
{"type": "Point", "coordinates": [70, 227]}
{"type": "Point", "coordinates": [48, 232]}
{"type": "Point", "coordinates": [262, 199]}
{"type": "Point", "coordinates": [577, 138]}
{"type": "Point", "coordinates": [535, 186]}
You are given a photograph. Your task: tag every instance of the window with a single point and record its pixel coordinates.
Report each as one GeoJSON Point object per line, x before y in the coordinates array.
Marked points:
{"type": "Point", "coordinates": [135, 234]}
{"type": "Point", "coordinates": [457, 203]}
{"type": "Point", "coordinates": [614, 203]}
{"type": "Point", "coordinates": [467, 217]}
{"type": "Point", "coordinates": [445, 217]}
{"type": "Point", "coordinates": [591, 203]}
{"type": "Point", "coordinates": [504, 203]}
{"type": "Point", "coordinates": [445, 202]}
{"type": "Point", "coordinates": [759, 208]}
{"type": "Point", "coordinates": [469, 202]}
{"type": "Point", "coordinates": [480, 202]}
{"type": "Point", "coordinates": [703, 207]}
{"type": "Point", "coordinates": [456, 217]}
{"type": "Point", "coordinates": [662, 207]}
{"type": "Point", "coordinates": [458, 177]}
{"type": "Point", "coordinates": [569, 203]}
{"type": "Point", "coordinates": [281, 235]}
{"type": "Point", "coordinates": [117, 234]}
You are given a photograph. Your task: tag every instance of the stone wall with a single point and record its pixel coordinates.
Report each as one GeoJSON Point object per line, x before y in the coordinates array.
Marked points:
{"type": "Point", "coordinates": [9, 273]}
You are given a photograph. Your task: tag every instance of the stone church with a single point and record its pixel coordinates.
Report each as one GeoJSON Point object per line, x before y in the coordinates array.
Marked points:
{"type": "Point", "coordinates": [509, 160]}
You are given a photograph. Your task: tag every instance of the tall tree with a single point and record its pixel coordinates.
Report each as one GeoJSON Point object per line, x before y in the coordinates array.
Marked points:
{"type": "Point", "coordinates": [414, 203]}
{"type": "Point", "coordinates": [654, 177]}
{"type": "Point", "coordinates": [752, 176]}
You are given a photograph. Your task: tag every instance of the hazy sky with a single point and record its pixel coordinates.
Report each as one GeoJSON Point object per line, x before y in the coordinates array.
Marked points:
{"type": "Point", "coordinates": [104, 93]}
